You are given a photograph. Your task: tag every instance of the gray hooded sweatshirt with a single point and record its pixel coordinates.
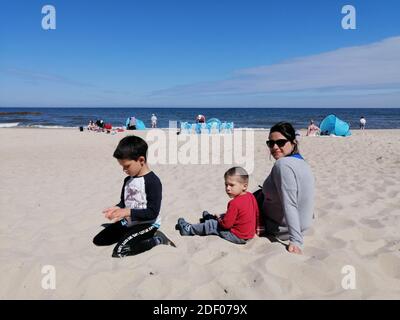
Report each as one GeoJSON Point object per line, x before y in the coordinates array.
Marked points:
{"type": "Point", "coordinates": [289, 197]}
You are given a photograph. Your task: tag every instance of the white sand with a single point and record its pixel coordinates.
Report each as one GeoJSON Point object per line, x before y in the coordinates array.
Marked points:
{"type": "Point", "coordinates": [55, 183]}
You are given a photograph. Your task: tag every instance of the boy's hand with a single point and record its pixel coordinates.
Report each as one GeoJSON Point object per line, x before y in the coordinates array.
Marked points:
{"type": "Point", "coordinates": [118, 214]}
{"type": "Point", "coordinates": [294, 249]}
{"type": "Point", "coordinates": [111, 209]}
{"type": "Point", "coordinates": [107, 212]}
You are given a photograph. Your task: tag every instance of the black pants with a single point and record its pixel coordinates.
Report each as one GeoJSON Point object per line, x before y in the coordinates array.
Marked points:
{"type": "Point", "coordinates": [130, 240]}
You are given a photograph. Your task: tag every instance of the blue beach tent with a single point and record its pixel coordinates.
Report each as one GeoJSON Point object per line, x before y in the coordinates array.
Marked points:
{"type": "Point", "coordinates": [333, 125]}
{"type": "Point", "coordinates": [186, 127]}
{"type": "Point", "coordinates": [214, 120]}
{"type": "Point", "coordinates": [213, 124]}
{"type": "Point", "coordinates": [139, 124]}
{"type": "Point", "coordinates": [227, 127]}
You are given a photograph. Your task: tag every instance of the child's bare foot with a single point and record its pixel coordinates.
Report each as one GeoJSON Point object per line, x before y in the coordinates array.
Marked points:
{"type": "Point", "coordinates": [294, 249]}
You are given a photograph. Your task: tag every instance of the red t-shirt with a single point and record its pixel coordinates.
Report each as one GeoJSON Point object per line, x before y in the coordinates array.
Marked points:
{"type": "Point", "coordinates": [240, 218]}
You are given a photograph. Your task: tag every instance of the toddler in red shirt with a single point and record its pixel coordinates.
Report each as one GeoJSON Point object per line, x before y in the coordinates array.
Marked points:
{"type": "Point", "coordinates": [238, 224]}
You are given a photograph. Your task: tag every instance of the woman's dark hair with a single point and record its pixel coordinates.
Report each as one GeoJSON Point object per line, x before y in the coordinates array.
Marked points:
{"type": "Point", "coordinates": [131, 148]}
{"type": "Point", "coordinates": [287, 130]}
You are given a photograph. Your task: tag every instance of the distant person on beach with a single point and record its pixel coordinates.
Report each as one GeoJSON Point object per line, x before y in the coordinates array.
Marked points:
{"type": "Point", "coordinates": [238, 224]}
{"type": "Point", "coordinates": [108, 127]}
{"type": "Point", "coordinates": [99, 126]}
{"type": "Point", "coordinates": [178, 127]}
{"type": "Point", "coordinates": [200, 119]}
{"type": "Point", "coordinates": [153, 121]}
{"type": "Point", "coordinates": [132, 123]}
{"type": "Point", "coordinates": [91, 125]}
{"type": "Point", "coordinates": [136, 217]}
{"type": "Point", "coordinates": [312, 129]}
{"type": "Point", "coordinates": [288, 191]}
{"type": "Point", "coordinates": [100, 123]}
{"type": "Point", "coordinates": [363, 122]}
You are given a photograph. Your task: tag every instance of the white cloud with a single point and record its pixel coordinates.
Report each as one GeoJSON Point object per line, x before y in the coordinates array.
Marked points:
{"type": "Point", "coordinates": [371, 69]}
{"type": "Point", "coordinates": [41, 77]}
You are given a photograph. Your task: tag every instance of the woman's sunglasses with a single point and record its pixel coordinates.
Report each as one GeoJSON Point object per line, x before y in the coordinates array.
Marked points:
{"type": "Point", "coordinates": [280, 143]}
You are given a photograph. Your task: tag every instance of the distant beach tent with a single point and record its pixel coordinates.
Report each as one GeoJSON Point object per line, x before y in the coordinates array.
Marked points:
{"type": "Point", "coordinates": [213, 125]}
{"type": "Point", "coordinates": [214, 120]}
{"type": "Point", "coordinates": [139, 124]}
{"type": "Point", "coordinates": [333, 125]}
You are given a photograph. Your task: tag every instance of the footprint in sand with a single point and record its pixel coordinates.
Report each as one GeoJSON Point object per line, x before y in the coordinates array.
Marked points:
{"type": "Point", "coordinates": [389, 183]}
{"type": "Point", "coordinates": [358, 186]}
{"type": "Point", "coordinates": [393, 245]}
{"type": "Point", "coordinates": [338, 206]}
{"type": "Point", "coordinates": [348, 234]}
{"type": "Point", "coordinates": [380, 189]}
{"type": "Point", "coordinates": [393, 194]}
{"type": "Point", "coordinates": [355, 204]}
{"type": "Point", "coordinates": [328, 205]}
{"type": "Point", "coordinates": [372, 198]}
{"type": "Point", "coordinates": [373, 223]}
{"type": "Point", "coordinates": [319, 212]}
{"type": "Point", "coordinates": [365, 248]}
{"type": "Point", "coordinates": [331, 242]}
{"type": "Point", "coordinates": [315, 253]}
{"type": "Point", "coordinates": [342, 223]}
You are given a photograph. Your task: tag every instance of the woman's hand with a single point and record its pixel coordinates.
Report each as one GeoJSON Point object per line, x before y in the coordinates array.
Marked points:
{"type": "Point", "coordinates": [294, 249]}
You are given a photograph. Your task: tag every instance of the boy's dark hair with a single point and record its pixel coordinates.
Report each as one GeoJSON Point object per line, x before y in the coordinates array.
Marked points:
{"type": "Point", "coordinates": [131, 148]}
{"type": "Point", "coordinates": [237, 171]}
{"type": "Point", "coordinates": [287, 130]}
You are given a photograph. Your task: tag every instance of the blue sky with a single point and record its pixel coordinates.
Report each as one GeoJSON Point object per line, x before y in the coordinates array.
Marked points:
{"type": "Point", "coordinates": [200, 53]}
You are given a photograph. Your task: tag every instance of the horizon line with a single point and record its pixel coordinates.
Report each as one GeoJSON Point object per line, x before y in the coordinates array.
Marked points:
{"type": "Point", "coordinates": [190, 107]}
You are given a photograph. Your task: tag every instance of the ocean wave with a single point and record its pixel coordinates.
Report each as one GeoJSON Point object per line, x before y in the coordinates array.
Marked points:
{"type": "Point", "coordinates": [49, 126]}
{"type": "Point", "coordinates": [9, 125]}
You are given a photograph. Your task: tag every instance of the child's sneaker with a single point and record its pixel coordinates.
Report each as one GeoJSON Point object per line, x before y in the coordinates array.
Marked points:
{"type": "Point", "coordinates": [163, 239]}
{"type": "Point", "coordinates": [207, 216]}
{"type": "Point", "coordinates": [124, 251]}
{"type": "Point", "coordinates": [185, 228]}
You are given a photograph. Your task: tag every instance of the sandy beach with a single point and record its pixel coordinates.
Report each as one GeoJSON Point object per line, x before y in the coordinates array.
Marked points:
{"type": "Point", "coordinates": [56, 182]}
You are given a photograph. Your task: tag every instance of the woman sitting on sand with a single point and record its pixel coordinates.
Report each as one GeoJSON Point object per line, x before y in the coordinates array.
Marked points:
{"type": "Point", "coordinates": [312, 129]}
{"type": "Point", "coordinates": [287, 207]}
{"type": "Point", "coordinates": [91, 125]}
